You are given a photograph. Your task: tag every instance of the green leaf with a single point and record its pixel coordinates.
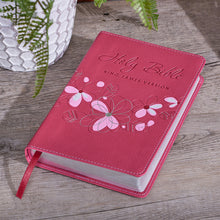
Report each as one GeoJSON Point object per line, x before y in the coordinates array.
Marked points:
{"type": "Point", "coordinates": [99, 2]}
{"type": "Point", "coordinates": [147, 10]}
{"type": "Point", "coordinates": [32, 32]}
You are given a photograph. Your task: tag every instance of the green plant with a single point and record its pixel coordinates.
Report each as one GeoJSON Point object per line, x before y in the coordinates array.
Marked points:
{"type": "Point", "coordinates": [147, 10]}
{"type": "Point", "coordinates": [33, 30]}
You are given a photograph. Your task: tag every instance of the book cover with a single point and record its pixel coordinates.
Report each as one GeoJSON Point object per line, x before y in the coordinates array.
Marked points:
{"type": "Point", "coordinates": [117, 118]}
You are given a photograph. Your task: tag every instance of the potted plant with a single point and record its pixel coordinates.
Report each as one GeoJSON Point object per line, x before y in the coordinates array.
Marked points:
{"type": "Point", "coordinates": [36, 33]}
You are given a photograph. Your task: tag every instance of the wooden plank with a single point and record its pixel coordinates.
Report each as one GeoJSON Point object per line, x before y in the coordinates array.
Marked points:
{"type": "Point", "coordinates": [188, 184]}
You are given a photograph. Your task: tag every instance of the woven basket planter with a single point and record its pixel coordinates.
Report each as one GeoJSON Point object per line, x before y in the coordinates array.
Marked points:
{"type": "Point", "coordinates": [18, 58]}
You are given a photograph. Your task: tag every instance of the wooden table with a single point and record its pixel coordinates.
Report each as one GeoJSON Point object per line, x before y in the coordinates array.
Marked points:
{"type": "Point", "coordinates": [188, 186]}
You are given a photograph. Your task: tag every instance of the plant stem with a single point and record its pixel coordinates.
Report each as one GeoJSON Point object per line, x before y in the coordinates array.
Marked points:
{"type": "Point", "coordinates": [38, 1]}
{"type": "Point", "coordinates": [16, 13]}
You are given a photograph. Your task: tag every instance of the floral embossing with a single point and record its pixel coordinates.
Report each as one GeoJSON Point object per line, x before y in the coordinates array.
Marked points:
{"type": "Point", "coordinates": [107, 114]}
{"type": "Point", "coordinates": [148, 106]}
{"type": "Point", "coordinates": [173, 102]}
{"type": "Point", "coordinates": [76, 99]}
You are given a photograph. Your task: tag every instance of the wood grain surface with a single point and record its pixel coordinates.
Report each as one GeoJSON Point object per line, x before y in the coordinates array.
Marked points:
{"type": "Point", "coordinates": [188, 186]}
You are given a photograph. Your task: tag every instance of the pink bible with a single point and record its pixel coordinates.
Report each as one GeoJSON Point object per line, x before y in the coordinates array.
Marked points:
{"type": "Point", "coordinates": [117, 118]}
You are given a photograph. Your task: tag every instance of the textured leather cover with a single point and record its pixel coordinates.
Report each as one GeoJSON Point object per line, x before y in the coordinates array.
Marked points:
{"type": "Point", "coordinates": [118, 107]}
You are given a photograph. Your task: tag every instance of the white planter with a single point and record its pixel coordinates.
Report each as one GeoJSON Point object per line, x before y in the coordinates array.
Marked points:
{"type": "Point", "coordinates": [18, 58]}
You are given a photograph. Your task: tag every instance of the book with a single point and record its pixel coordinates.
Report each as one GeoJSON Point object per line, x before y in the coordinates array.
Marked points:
{"type": "Point", "coordinates": [117, 118]}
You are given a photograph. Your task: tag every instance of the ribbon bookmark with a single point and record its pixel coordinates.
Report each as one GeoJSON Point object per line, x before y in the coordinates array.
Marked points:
{"type": "Point", "coordinates": [27, 174]}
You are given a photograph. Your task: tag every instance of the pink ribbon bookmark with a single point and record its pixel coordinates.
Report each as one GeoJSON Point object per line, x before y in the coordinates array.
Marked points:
{"type": "Point", "coordinates": [27, 174]}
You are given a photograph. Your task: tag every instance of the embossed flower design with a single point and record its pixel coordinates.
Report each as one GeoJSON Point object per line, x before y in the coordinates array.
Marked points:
{"type": "Point", "coordinates": [148, 106]}
{"type": "Point", "coordinates": [172, 101]}
{"type": "Point", "coordinates": [107, 115]}
{"type": "Point", "coordinates": [141, 126]}
{"type": "Point", "coordinates": [79, 94]}
{"type": "Point", "coordinates": [107, 120]}
{"type": "Point", "coordinates": [150, 109]}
